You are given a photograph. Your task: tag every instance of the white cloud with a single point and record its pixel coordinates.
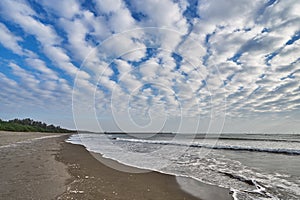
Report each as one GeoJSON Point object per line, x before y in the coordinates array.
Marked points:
{"type": "Point", "coordinates": [238, 13]}
{"type": "Point", "coordinates": [123, 45]}
{"type": "Point", "coordinates": [77, 31]}
{"type": "Point", "coordinates": [27, 78]}
{"type": "Point", "coordinates": [62, 8]}
{"type": "Point", "coordinates": [123, 66]}
{"type": "Point", "coordinates": [162, 14]}
{"type": "Point", "coordinates": [289, 55]}
{"type": "Point", "coordinates": [9, 40]}
{"type": "Point", "coordinates": [40, 66]}
{"type": "Point", "coordinates": [108, 6]}
{"type": "Point", "coordinates": [119, 19]}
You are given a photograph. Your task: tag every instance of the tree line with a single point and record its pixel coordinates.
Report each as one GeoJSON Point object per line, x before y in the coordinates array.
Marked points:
{"type": "Point", "coordinates": [29, 125]}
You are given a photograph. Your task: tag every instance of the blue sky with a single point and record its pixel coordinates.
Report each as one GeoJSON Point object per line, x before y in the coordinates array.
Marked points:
{"type": "Point", "coordinates": [130, 65]}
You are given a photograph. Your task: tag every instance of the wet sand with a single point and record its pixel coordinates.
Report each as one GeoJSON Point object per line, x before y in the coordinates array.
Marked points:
{"type": "Point", "coordinates": [53, 169]}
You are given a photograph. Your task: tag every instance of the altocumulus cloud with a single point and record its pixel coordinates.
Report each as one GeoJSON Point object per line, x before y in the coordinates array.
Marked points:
{"type": "Point", "coordinates": [148, 61]}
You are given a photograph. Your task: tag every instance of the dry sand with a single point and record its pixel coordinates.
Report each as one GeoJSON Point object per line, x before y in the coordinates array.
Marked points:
{"type": "Point", "coordinates": [7, 137]}
{"type": "Point", "coordinates": [29, 169]}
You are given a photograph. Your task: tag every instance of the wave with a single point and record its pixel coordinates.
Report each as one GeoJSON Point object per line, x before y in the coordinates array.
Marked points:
{"type": "Point", "coordinates": [260, 189]}
{"type": "Point", "coordinates": [208, 146]}
{"type": "Point", "coordinates": [254, 139]}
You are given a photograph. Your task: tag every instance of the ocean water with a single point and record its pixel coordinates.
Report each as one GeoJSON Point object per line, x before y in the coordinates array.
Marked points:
{"type": "Point", "coordinates": [252, 166]}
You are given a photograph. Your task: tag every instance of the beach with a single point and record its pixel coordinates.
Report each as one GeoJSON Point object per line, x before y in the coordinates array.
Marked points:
{"type": "Point", "coordinates": [50, 168]}
{"type": "Point", "coordinates": [28, 166]}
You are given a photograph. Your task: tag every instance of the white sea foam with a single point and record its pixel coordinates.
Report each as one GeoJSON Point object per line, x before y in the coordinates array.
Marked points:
{"type": "Point", "coordinates": [229, 147]}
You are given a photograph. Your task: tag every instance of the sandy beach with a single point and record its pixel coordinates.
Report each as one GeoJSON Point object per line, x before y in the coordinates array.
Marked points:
{"type": "Point", "coordinates": [50, 168]}
{"type": "Point", "coordinates": [28, 167]}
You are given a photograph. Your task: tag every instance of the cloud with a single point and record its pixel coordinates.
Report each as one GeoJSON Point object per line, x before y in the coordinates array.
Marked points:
{"type": "Point", "coordinates": [165, 14]}
{"type": "Point", "coordinates": [9, 40]}
{"type": "Point", "coordinates": [40, 66]}
{"type": "Point", "coordinates": [26, 78]}
{"type": "Point", "coordinates": [63, 8]}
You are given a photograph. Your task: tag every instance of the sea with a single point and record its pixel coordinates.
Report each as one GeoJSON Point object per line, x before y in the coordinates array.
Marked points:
{"type": "Point", "coordinates": [251, 166]}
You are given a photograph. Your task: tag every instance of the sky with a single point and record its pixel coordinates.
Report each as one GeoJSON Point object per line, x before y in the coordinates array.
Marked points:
{"type": "Point", "coordinates": [150, 66]}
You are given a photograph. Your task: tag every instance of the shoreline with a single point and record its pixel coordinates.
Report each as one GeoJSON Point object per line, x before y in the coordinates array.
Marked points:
{"type": "Point", "coordinates": [35, 166]}
{"type": "Point", "coordinates": [91, 179]}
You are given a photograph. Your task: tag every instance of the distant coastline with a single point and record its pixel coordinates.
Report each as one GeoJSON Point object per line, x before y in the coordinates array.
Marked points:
{"type": "Point", "coordinates": [112, 133]}
{"type": "Point", "coordinates": [29, 125]}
